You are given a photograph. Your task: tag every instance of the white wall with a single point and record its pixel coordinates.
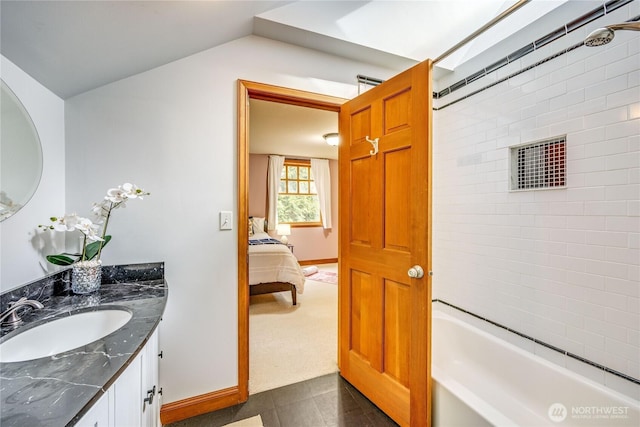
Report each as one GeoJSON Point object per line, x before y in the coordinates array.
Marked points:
{"type": "Point", "coordinates": [21, 250]}
{"type": "Point", "coordinates": [559, 265]}
{"type": "Point", "coordinates": [172, 130]}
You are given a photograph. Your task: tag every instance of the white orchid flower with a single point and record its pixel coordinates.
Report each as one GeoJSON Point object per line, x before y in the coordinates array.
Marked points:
{"type": "Point", "coordinates": [95, 230]}
{"type": "Point", "coordinates": [132, 191]}
{"type": "Point", "coordinates": [66, 223]}
{"type": "Point", "coordinates": [100, 210]}
{"type": "Point", "coordinates": [89, 229]}
{"type": "Point", "coordinates": [116, 195]}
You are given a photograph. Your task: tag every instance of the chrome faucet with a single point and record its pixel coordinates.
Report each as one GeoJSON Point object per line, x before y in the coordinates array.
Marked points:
{"type": "Point", "coordinates": [11, 312]}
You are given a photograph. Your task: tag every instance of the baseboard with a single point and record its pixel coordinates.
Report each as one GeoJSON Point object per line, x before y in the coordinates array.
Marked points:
{"type": "Point", "coordinates": [318, 261]}
{"type": "Point", "coordinates": [198, 405]}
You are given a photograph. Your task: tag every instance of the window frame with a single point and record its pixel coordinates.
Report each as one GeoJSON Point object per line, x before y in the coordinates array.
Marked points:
{"type": "Point", "coordinates": [299, 163]}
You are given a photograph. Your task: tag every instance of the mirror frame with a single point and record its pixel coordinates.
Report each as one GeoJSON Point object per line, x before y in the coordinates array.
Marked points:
{"type": "Point", "coordinates": [21, 157]}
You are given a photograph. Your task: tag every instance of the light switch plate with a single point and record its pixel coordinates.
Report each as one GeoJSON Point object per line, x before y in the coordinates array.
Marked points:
{"type": "Point", "coordinates": [226, 220]}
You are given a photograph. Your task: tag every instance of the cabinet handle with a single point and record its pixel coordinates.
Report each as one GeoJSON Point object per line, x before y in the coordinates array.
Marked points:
{"type": "Point", "coordinates": [150, 394]}
{"type": "Point", "coordinates": [160, 354]}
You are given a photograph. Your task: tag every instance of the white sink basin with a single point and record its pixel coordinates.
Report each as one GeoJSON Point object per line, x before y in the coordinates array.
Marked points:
{"type": "Point", "coordinates": [63, 334]}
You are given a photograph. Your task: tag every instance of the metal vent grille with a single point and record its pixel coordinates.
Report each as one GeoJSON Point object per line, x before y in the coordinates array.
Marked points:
{"type": "Point", "coordinates": [539, 165]}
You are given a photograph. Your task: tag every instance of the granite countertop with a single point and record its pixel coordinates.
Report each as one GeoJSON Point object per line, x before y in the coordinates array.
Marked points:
{"type": "Point", "coordinates": [58, 390]}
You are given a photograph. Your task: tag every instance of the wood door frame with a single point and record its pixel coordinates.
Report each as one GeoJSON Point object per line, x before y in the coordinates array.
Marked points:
{"type": "Point", "coordinates": [251, 90]}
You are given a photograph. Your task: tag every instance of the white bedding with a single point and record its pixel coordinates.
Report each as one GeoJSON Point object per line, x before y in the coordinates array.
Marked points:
{"type": "Point", "coordinates": [273, 263]}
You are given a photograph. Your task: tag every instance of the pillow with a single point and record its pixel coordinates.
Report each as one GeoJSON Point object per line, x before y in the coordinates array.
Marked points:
{"type": "Point", "coordinates": [250, 227]}
{"type": "Point", "coordinates": [258, 224]}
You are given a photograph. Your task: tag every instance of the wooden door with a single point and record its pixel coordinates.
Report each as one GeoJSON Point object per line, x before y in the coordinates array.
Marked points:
{"type": "Point", "coordinates": [385, 229]}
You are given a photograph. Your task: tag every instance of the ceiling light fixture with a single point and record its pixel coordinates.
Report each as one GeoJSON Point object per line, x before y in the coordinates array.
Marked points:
{"type": "Point", "coordinates": [332, 138]}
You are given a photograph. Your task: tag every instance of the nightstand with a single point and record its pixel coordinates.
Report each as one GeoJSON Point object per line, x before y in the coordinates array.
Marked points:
{"type": "Point", "coordinates": [290, 246]}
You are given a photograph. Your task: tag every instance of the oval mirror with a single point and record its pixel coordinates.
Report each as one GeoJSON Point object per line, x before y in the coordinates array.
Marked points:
{"type": "Point", "coordinates": [20, 154]}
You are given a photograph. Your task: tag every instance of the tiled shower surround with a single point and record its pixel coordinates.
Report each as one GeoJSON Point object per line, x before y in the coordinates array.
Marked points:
{"type": "Point", "coordinates": [560, 265]}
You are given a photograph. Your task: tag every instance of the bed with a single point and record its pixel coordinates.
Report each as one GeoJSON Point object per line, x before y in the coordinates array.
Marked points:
{"type": "Point", "coordinates": [273, 268]}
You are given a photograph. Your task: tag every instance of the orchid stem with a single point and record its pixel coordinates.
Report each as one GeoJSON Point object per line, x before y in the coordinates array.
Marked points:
{"type": "Point", "coordinates": [104, 229]}
{"type": "Point", "coordinates": [84, 247]}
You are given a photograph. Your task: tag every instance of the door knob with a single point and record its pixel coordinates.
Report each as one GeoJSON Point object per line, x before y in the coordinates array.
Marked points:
{"type": "Point", "coordinates": [416, 272]}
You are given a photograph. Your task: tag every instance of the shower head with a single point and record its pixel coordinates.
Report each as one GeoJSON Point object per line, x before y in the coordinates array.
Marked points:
{"type": "Point", "coordinates": [599, 37]}
{"type": "Point", "coordinates": [602, 36]}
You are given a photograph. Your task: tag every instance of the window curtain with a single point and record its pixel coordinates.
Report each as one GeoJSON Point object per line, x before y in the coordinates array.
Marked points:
{"type": "Point", "coordinates": [322, 178]}
{"type": "Point", "coordinates": [276, 163]}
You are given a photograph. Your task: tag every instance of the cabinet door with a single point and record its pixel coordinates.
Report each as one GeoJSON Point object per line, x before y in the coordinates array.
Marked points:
{"type": "Point", "coordinates": [151, 410]}
{"type": "Point", "coordinates": [100, 414]}
{"type": "Point", "coordinates": [128, 395]}
{"type": "Point", "coordinates": [134, 399]}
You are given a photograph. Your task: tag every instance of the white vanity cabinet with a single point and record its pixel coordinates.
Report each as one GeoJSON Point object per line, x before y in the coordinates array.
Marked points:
{"type": "Point", "coordinates": [150, 386]}
{"type": "Point", "coordinates": [100, 414]}
{"type": "Point", "coordinates": [133, 400]}
{"type": "Point", "coordinates": [127, 395]}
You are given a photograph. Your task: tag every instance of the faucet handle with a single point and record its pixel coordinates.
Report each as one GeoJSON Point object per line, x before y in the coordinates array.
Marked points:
{"type": "Point", "coordinates": [12, 319]}
{"type": "Point", "coordinates": [20, 301]}
{"type": "Point", "coordinates": [10, 316]}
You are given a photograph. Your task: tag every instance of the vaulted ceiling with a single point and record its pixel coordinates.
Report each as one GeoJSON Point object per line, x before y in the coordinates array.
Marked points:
{"type": "Point", "coordinates": [74, 46]}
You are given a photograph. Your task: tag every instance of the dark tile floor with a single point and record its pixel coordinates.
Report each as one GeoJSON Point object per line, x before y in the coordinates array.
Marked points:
{"type": "Point", "coordinates": [320, 402]}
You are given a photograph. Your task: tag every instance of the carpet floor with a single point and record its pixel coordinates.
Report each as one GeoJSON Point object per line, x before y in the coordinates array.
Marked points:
{"type": "Point", "coordinates": [288, 344]}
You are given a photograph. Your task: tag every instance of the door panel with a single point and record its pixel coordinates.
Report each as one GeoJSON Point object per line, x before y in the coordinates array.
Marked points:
{"type": "Point", "coordinates": [384, 315]}
{"type": "Point", "coordinates": [362, 323]}
{"type": "Point", "coordinates": [396, 316]}
{"type": "Point", "coordinates": [361, 216]}
{"type": "Point", "coordinates": [360, 125]}
{"type": "Point", "coordinates": [397, 168]}
{"type": "Point", "coordinates": [397, 111]}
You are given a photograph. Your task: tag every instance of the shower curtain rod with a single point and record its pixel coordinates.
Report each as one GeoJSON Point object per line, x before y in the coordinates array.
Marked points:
{"type": "Point", "coordinates": [482, 29]}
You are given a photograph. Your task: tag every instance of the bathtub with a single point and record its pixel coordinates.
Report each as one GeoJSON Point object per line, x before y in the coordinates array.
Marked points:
{"type": "Point", "coordinates": [481, 380]}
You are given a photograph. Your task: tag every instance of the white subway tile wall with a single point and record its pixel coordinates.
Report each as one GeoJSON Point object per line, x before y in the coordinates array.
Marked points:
{"type": "Point", "coordinates": [558, 265]}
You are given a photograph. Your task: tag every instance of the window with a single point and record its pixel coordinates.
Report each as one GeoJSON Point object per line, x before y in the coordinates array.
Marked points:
{"type": "Point", "coordinates": [539, 165]}
{"type": "Point", "coordinates": [297, 196]}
